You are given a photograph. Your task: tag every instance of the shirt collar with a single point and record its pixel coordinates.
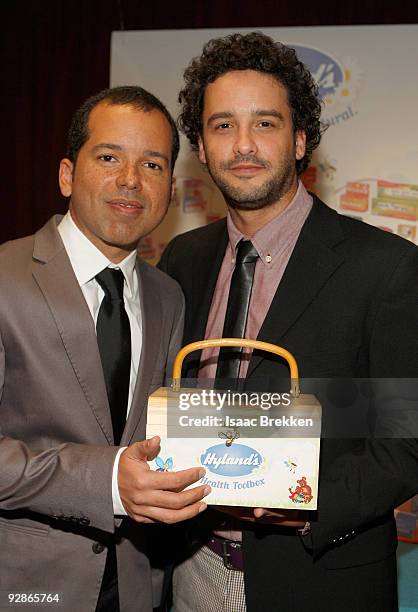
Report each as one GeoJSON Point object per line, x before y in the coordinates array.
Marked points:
{"type": "Point", "coordinates": [86, 259]}
{"type": "Point", "coordinates": [276, 235]}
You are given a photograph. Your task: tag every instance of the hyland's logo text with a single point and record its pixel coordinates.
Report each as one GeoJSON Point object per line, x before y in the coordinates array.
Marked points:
{"type": "Point", "coordinates": [235, 460]}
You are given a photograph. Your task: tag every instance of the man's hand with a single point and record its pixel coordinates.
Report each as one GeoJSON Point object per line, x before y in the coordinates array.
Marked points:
{"type": "Point", "coordinates": [283, 518]}
{"type": "Point", "coordinates": [149, 496]}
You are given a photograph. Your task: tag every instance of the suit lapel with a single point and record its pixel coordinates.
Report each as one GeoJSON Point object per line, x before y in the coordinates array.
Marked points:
{"type": "Point", "coordinates": [54, 275]}
{"type": "Point", "coordinates": [151, 313]}
{"type": "Point", "coordinates": [311, 264]}
{"type": "Point", "coordinates": [205, 269]}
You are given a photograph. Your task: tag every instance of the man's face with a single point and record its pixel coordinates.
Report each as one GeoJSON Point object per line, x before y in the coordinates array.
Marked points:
{"type": "Point", "coordinates": [248, 142]}
{"type": "Point", "coordinates": [120, 185]}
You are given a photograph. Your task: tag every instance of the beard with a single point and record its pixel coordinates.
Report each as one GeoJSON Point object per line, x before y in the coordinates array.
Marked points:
{"type": "Point", "coordinates": [254, 197]}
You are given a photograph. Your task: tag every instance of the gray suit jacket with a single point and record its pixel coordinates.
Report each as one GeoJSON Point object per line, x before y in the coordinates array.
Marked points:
{"type": "Point", "coordinates": [56, 445]}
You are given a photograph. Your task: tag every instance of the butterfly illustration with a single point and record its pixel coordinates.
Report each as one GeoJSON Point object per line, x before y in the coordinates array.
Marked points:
{"type": "Point", "coordinates": [164, 466]}
{"type": "Point", "coordinates": [229, 436]}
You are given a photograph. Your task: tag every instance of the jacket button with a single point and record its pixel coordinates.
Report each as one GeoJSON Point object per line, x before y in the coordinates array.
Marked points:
{"type": "Point", "coordinates": [98, 548]}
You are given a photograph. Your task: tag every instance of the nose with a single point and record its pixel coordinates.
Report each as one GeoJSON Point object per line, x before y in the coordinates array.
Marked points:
{"type": "Point", "coordinates": [244, 142]}
{"type": "Point", "coordinates": [129, 176]}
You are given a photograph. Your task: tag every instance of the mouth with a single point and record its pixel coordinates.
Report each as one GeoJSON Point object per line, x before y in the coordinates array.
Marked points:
{"type": "Point", "coordinates": [126, 207]}
{"type": "Point", "coordinates": [246, 169]}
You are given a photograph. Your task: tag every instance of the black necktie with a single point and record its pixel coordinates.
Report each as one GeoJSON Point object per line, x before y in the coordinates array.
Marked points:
{"type": "Point", "coordinates": [114, 341]}
{"type": "Point", "coordinates": [237, 309]}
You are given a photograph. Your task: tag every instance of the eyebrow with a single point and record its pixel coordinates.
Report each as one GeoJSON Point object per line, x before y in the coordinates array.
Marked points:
{"type": "Point", "coordinates": [115, 147]}
{"type": "Point", "coordinates": [151, 153]}
{"type": "Point", "coordinates": [259, 112]}
{"type": "Point", "coordinates": [269, 113]}
{"type": "Point", "coordinates": [107, 145]}
{"type": "Point", "coordinates": [222, 115]}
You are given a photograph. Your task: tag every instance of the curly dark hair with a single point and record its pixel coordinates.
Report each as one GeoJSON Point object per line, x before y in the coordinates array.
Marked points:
{"type": "Point", "coordinates": [254, 51]}
{"type": "Point", "coordinates": [128, 95]}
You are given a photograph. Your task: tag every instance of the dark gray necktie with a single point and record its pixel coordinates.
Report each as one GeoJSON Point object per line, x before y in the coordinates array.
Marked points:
{"type": "Point", "coordinates": [114, 341]}
{"type": "Point", "coordinates": [237, 309]}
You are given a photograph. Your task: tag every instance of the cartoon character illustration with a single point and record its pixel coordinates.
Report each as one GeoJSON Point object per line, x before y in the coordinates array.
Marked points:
{"type": "Point", "coordinates": [164, 466]}
{"type": "Point", "coordinates": [291, 463]}
{"type": "Point", "coordinates": [229, 436]}
{"type": "Point", "coordinates": [302, 493]}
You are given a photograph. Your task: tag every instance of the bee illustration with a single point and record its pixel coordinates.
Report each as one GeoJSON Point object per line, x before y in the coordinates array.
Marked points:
{"type": "Point", "coordinates": [230, 435]}
{"type": "Point", "coordinates": [164, 466]}
{"type": "Point", "coordinates": [290, 463]}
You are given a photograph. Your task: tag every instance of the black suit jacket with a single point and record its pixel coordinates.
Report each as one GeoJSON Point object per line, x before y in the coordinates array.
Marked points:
{"type": "Point", "coordinates": [347, 306]}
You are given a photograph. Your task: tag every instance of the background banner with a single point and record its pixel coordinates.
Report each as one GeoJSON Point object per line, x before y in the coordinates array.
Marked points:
{"type": "Point", "coordinates": [367, 163]}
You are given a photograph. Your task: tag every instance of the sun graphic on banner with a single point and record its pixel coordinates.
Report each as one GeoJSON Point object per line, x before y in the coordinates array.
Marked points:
{"type": "Point", "coordinates": [345, 94]}
{"type": "Point", "coordinates": [338, 81]}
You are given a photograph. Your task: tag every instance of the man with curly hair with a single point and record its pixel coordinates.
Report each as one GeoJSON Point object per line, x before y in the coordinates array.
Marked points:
{"type": "Point", "coordinates": [337, 293]}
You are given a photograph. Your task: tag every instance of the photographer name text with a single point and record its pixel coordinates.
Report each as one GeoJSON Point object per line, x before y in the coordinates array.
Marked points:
{"type": "Point", "coordinates": [262, 420]}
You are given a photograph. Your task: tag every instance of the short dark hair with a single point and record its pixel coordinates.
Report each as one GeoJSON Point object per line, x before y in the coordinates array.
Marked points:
{"type": "Point", "coordinates": [129, 95]}
{"type": "Point", "coordinates": [254, 51]}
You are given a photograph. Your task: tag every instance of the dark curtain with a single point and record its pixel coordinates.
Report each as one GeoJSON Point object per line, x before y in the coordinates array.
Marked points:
{"type": "Point", "coordinates": [56, 53]}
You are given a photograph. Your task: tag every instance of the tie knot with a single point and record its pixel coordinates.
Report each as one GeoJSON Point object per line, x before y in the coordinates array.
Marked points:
{"type": "Point", "coordinates": [246, 252]}
{"type": "Point", "coordinates": [111, 281]}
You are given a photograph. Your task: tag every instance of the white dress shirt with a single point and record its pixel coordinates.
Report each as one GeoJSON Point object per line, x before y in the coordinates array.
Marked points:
{"type": "Point", "coordinates": [87, 261]}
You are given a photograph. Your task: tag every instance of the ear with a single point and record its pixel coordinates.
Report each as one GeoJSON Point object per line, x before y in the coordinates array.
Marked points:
{"type": "Point", "coordinates": [300, 144]}
{"type": "Point", "coordinates": [65, 177]}
{"type": "Point", "coordinates": [202, 154]}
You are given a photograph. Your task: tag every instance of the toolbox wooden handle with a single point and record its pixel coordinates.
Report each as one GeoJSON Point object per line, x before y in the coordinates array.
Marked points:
{"type": "Point", "coordinates": [241, 342]}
